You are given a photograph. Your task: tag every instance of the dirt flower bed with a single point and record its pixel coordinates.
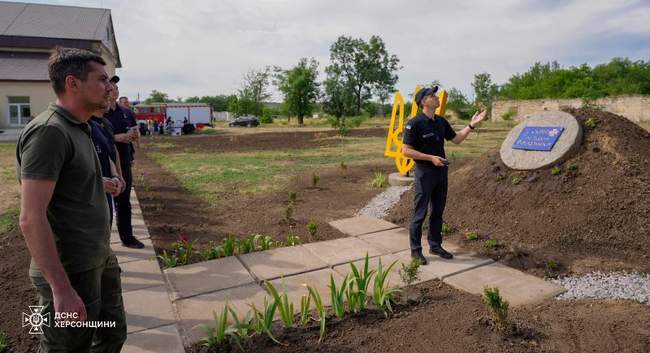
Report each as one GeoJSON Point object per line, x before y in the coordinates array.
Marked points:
{"type": "Point", "coordinates": [447, 320]}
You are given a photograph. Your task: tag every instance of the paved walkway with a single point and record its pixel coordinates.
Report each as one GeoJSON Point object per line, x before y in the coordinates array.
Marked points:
{"type": "Point", "coordinates": [164, 309]}
{"type": "Point", "coordinates": [149, 315]}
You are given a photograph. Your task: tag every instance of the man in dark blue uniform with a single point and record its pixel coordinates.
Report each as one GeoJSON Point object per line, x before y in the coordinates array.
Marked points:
{"type": "Point", "coordinates": [102, 136]}
{"type": "Point", "coordinates": [424, 142]}
{"type": "Point", "coordinates": [125, 132]}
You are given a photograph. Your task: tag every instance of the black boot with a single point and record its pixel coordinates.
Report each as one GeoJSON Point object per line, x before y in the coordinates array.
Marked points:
{"type": "Point", "coordinates": [438, 250]}
{"type": "Point", "coordinates": [417, 255]}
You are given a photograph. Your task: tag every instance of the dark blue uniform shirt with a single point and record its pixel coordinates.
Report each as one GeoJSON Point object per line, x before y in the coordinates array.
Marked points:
{"type": "Point", "coordinates": [428, 136]}
{"type": "Point", "coordinates": [103, 147]}
{"type": "Point", "coordinates": [121, 120]}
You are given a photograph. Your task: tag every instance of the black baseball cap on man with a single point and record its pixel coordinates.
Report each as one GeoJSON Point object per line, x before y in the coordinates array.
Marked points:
{"type": "Point", "coordinates": [115, 79]}
{"type": "Point", "coordinates": [423, 93]}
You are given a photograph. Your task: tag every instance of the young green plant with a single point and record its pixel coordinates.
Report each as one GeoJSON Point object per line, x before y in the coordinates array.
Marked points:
{"type": "Point", "coordinates": [379, 181]}
{"type": "Point", "coordinates": [221, 333]}
{"type": "Point", "coordinates": [305, 302]}
{"type": "Point", "coordinates": [471, 236]}
{"type": "Point", "coordinates": [263, 320]}
{"type": "Point", "coordinates": [338, 295]}
{"type": "Point", "coordinates": [229, 245]}
{"type": "Point", "coordinates": [168, 261]}
{"type": "Point", "coordinates": [285, 308]}
{"type": "Point", "coordinates": [409, 273]}
{"type": "Point", "coordinates": [383, 295]}
{"type": "Point", "coordinates": [312, 227]}
{"type": "Point", "coordinates": [321, 311]}
{"type": "Point", "coordinates": [497, 307]}
{"type": "Point", "coordinates": [358, 289]}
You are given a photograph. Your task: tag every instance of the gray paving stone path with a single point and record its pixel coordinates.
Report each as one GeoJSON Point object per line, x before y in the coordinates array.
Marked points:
{"type": "Point", "coordinates": [165, 309]}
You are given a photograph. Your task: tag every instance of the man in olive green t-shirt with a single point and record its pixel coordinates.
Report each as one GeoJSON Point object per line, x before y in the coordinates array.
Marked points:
{"type": "Point", "coordinates": [64, 215]}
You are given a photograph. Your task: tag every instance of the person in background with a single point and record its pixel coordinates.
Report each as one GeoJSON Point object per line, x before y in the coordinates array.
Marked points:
{"type": "Point", "coordinates": [126, 133]}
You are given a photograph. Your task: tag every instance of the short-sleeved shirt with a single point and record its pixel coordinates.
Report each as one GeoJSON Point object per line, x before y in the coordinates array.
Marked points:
{"type": "Point", "coordinates": [122, 119]}
{"type": "Point", "coordinates": [103, 147]}
{"type": "Point", "coordinates": [428, 135]}
{"type": "Point", "coordinates": [58, 147]}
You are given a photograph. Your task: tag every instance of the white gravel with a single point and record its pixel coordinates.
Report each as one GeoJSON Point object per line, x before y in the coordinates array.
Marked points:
{"type": "Point", "coordinates": [379, 206]}
{"type": "Point", "coordinates": [599, 285]}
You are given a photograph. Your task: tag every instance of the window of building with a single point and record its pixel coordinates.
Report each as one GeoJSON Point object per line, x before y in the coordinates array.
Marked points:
{"type": "Point", "coordinates": [20, 111]}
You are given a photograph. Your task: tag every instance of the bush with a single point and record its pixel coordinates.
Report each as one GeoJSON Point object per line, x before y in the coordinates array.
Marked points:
{"type": "Point", "coordinates": [379, 181]}
{"type": "Point", "coordinates": [266, 116]}
{"type": "Point", "coordinates": [508, 115]}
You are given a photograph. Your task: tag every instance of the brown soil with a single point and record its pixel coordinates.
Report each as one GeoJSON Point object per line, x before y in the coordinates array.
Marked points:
{"type": "Point", "coordinates": [448, 320]}
{"type": "Point", "coordinates": [171, 211]}
{"type": "Point", "coordinates": [16, 292]}
{"type": "Point", "coordinates": [593, 216]}
{"type": "Point", "coordinates": [263, 141]}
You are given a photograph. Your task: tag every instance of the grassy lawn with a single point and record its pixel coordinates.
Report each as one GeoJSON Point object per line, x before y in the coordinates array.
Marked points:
{"type": "Point", "coordinates": [209, 174]}
{"type": "Point", "coordinates": [9, 190]}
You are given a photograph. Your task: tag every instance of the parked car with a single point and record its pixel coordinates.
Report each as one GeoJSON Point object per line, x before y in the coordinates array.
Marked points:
{"type": "Point", "coordinates": [249, 121]}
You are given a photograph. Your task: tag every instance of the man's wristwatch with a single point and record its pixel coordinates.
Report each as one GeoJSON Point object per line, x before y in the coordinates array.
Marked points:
{"type": "Point", "coordinates": [470, 126]}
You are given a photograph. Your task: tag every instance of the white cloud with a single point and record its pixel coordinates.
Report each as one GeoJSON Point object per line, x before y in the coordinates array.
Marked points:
{"type": "Point", "coordinates": [204, 47]}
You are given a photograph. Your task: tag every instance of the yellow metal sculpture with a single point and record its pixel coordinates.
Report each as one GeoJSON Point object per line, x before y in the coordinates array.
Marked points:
{"type": "Point", "coordinates": [394, 139]}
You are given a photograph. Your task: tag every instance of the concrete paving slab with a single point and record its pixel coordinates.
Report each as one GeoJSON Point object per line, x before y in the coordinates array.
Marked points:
{"type": "Point", "coordinates": [208, 276]}
{"type": "Point", "coordinates": [125, 254]}
{"type": "Point", "coordinates": [439, 268]}
{"type": "Point", "coordinates": [319, 280]}
{"type": "Point", "coordinates": [147, 308]}
{"type": "Point", "coordinates": [515, 286]}
{"type": "Point", "coordinates": [199, 309]}
{"type": "Point", "coordinates": [393, 240]}
{"type": "Point", "coordinates": [343, 250]}
{"type": "Point", "coordinates": [361, 225]}
{"type": "Point", "coordinates": [159, 340]}
{"type": "Point", "coordinates": [287, 261]}
{"type": "Point", "coordinates": [140, 274]}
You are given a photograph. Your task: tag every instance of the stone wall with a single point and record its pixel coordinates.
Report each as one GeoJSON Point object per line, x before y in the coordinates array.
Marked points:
{"type": "Point", "coordinates": [635, 108]}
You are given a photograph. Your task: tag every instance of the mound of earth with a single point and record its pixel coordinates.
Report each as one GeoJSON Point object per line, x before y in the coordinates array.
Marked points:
{"type": "Point", "coordinates": [593, 215]}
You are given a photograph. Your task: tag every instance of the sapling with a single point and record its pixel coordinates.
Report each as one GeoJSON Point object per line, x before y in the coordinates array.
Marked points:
{"type": "Point", "coordinates": [312, 227]}
{"type": "Point", "coordinates": [315, 179]}
{"type": "Point", "coordinates": [292, 239]}
{"type": "Point", "coordinates": [293, 196]}
{"type": "Point", "coordinates": [288, 212]}
{"type": "Point", "coordinates": [471, 236]}
{"type": "Point", "coordinates": [409, 273]}
{"type": "Point", "coordinates": [497, 307]}
{"type": "Point", "coordinates": [490, 244]}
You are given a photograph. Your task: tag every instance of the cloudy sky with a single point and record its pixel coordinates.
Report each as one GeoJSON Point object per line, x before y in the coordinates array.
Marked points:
{"type": "Point", "coordinates": [203, 47]}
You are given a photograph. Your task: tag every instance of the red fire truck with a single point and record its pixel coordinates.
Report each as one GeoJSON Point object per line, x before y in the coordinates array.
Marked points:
{"type": "Point", "coordinates": [198, 114]}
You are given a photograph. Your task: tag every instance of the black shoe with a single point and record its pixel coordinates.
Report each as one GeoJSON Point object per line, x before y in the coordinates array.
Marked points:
{"type": "Point", "coordinates": [438, 250]}
{"type": "Point", "coordinates": [417, 255]}
{"type": "Point", "coordinates": [133, 243]}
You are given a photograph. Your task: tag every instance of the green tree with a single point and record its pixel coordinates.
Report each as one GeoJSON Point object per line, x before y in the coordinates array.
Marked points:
{"type": "Point", "coordinates": [157, 97]}
{"type": "Point", "coordinates": [253, 93]}
{"type": "Point", "coordinates": [300, 88]}
{"type": "Point", "coordinates": [484, 91]}
{"type": "Point", "coordinates": [459, 104]}
{"type": "Point", "coordinates": [364, 66]}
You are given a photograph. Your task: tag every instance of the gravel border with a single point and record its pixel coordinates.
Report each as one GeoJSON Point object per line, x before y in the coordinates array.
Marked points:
{"type": "Point", "coordinates": [379, 206]}
{"type": "Point", "coordinates": [614, 285]}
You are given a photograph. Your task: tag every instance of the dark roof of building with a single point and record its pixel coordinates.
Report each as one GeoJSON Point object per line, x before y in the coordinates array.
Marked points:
{"type": "Point", "coordinates": [23, 66]}
{"type": "Point", "coordinates": [60, 22]}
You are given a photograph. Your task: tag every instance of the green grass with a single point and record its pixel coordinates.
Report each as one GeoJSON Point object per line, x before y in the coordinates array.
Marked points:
{"type": "Point", "coordinates": [209, 174]}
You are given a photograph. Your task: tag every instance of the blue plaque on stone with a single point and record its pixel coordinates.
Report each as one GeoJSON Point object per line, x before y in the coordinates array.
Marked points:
{"type": "Point", "coordinates": [538, 138]}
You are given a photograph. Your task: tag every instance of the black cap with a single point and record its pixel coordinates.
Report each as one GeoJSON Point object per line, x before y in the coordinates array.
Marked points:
{"type": "Point", "coordinates": [115, 79]}
{"type": "Point", "coordinates": [423, 93]}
